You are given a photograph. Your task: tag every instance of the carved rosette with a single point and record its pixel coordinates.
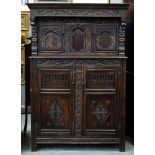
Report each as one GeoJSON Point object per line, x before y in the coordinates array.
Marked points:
{"type": "Point", "coordinates": [34, 37]}
{"type": "Point", "coordinates": [121, 43]}
{"type": "Point", "coordinates": [78, 98]}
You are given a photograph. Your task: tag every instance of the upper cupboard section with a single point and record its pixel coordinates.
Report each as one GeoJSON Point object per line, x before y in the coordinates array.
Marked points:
{"type": "Point", "coordinates": [74, 36]}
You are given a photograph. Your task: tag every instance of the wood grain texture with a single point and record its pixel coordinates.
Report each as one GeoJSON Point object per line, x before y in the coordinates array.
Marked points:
{"type": "Point", "coordinates": [78, 67]}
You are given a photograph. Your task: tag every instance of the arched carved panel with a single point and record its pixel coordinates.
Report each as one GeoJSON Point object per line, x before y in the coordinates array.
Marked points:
{"type": "Point", "coordinates": [78, 39]}
{"type": "Point", "coordinates": [51, 38]}
{"type": "Point", "coordinates": [105, 38]}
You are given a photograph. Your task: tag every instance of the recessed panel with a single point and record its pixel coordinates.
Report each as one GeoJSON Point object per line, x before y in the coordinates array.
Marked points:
{"type": "Point", "coordinates": [55, 111]}
{"type": "Point", "coordinates": [105, 38]}
{"type": "Point", "coordinates": [100, 112]}
{"type": "Point", "coordinates": [51, 38]}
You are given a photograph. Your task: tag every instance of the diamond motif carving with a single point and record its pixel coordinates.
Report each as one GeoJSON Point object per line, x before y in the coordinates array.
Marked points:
{"type": "Point", "coordinates": [56, 113]}
{"type": "Point", "coordinates": [102, 113]}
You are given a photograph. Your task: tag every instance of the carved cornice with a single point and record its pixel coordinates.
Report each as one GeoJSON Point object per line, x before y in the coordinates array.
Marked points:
{"type": "Point", "coordinates": [77, 10]}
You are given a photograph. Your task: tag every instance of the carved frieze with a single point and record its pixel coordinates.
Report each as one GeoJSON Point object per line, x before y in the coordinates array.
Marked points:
{"type": "Point", "coordinates": [79, 12]}
{"type": "Point", "coordinates": [75, 62]}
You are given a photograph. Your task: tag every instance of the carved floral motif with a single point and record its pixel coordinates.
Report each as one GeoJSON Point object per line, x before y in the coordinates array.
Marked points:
{"type": "Point", "coordinates": [56, 112]}
{"type": "Point", "coordinates": [122, 38]}
{"type": "Point", "coordinates": [79, 12]}
{"type": "Point", "coordinates": [101, 113]}
{"type": "Point", "coordinates": [78, 99]}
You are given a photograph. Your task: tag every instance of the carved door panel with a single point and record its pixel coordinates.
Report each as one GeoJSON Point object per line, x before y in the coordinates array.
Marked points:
{"type": "Point", "coordinates": [50, 37]}
{"type": "Point", "coordinates": [100, 109]}
{"type": "Point", "coordinates": [56, 101]}
{"type": "Point", "coordinates": [77, 37]}
{"type": "Point", "coordinates": [105, 38]}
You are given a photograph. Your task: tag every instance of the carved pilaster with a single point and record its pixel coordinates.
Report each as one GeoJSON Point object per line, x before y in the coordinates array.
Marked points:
{"type": "Point", "coordinates": [78, 99]}
{"type": "Point", "coordinates": [121, 40]}
{"type": "Point", "coordinates": [34, 37]}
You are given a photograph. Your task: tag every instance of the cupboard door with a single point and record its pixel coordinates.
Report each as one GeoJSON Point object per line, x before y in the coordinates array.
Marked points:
{"type": "Point", "coordinates": [100, 110]}
{"type": "Point", "coordinates": [105, 39]}
{"type": "Point", "coordinates": [55, 101]}
{"type": "Point", "coordinates": [50, 37]}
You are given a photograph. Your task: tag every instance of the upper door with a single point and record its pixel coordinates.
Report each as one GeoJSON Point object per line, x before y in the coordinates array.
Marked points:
{"type": "Point", "coordinates": [56, 101]}
{"type": "Point", "coordinates": [100, 108]}
{"type": "Point", "coordinates": [105, 38]}
{"type": "Point", "coordinates": [78, 36]}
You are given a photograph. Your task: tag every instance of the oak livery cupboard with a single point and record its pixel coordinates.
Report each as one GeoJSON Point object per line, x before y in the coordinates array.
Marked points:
{"type": "Point", "coordinates": [78, 67]}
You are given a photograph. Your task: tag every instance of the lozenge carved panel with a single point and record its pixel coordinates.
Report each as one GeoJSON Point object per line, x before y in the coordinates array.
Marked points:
{"type": "Point", "coordinates": [55, 111]}
{"type": "Point", "coordinates": [100, 112]}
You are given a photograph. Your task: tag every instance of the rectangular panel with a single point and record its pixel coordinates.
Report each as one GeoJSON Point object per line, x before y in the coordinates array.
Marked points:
{"type": "Point", "coordinates": [105, 38]}
{"type": "Point", "coordinates": [50, 37]}
{"type": "Point", "coordinates": [55, 114]}
{"type": "Point", "coordinates": [100, 114]}
{"type": "Point", "coordinates": [55, 78]}
{"type": "Point", "coordinates": [100, 79]}
{"type": "Point", "coordinates": [77, 36]}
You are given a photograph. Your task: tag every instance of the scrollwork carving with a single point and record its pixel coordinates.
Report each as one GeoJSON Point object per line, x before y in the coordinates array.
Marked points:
{"type": "Point", "coordinates": [78, 98]}
{"type": "Point", "coordinates": [72, 62]}
{"type": "Point", "coordinates": [78, 12]}
{"type": "Point", "coordinates": [121, 39]}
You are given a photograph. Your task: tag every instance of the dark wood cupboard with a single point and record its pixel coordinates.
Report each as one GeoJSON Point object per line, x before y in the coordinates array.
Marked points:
{"type": "Point", "coordinates": [78, 68]}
